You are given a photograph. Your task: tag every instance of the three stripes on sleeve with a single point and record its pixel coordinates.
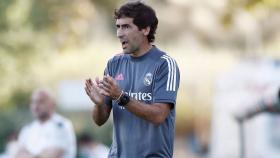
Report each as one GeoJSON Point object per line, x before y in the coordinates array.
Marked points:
{"type": "Point", "coordinates": [172, 73]}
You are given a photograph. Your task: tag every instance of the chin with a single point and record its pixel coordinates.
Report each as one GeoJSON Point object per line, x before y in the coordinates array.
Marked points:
{"type": "Point", "coordinates": [126, 52]}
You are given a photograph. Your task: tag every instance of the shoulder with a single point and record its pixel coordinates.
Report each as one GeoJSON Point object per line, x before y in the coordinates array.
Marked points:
{"type": "Point", "coordinates": [162, 56]}
{"type": "Point", "coordinates": [167, 60]}
{"type": "Point", "coordinates": [117, 58]}
{"type": "Point", "coordinates": [29, 126]}
{"type": "Point", "coordinates": [61, 122]}
{"type": "Point", "coordinates": [28, 130]}
{"type": "Point", "coordinates": [156, 53]}
{"type": "Point", "coordinates": [168, 65]}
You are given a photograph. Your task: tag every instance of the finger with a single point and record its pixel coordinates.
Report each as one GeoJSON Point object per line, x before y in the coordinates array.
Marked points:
{"type": "Point", "coordinates": [104, 87]}
{"type": "Point", "coordinates": [107, 92]}
{"type": "Point", "coordinates": [87, 91]}
{"type": "Point", "coordinates": [105, 84]}
{"type": "Point", "coordinates": [103, 92]}
{"type": "Point", "coordinates": [94, 85]}
{"type": "Point", "coordinates": [90, 81]}
{"type": "Point", "coordinates": [97, 80]}
{"type": "Point", "coordinates": [111, 80]}
{"type": "Point", "coordinates": [88, 85]}
{"type": "Point", "coordinates": [107, 79]}
{"type": "Point", "coordinates": [106, 75]}
{"type": "Point", "coordinates": [97, 87]}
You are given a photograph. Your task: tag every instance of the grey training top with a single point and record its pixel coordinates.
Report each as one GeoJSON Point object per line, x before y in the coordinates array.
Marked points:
{"type": "Point", "coordinates": [151, 78]}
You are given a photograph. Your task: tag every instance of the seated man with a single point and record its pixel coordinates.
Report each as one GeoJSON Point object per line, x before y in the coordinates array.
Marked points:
{"type": "Point", "coordinates": [49, 135]}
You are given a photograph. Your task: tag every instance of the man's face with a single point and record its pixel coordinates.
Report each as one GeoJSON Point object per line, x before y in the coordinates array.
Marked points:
{"type": "Point", "coordinates": [129, 34]}
{"type": "Point", "coordinates": [41, 105]}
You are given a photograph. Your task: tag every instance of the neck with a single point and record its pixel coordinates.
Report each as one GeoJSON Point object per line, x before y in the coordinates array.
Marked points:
{"type": "Point", "coordinates": [142, 50]}
{"type": "Point", "coordinates": [44, 118]}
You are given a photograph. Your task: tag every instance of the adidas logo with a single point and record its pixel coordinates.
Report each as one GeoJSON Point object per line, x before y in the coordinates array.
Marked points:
{"type": "Point", "coordinates": [119, 77]}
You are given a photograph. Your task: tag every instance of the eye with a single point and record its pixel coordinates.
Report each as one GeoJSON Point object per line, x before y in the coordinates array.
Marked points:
{"type": "Point", "coordinates": [125, 26]}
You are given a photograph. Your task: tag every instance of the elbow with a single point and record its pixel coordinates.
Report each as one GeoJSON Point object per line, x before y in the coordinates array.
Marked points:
{"type": "Point", "coordinates": [158, 114]}
{"type": "Point", "coordinates": [158, 120]}
{"type": "Point", "coordinates": [98, 122]}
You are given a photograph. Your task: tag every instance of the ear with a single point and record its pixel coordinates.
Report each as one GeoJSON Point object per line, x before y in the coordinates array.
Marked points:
{"type": "Point", "coordinates": [146, 30]}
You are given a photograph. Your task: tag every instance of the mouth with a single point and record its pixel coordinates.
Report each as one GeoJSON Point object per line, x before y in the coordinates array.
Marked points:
{"type": "Point", "coordinates": [124, 44]}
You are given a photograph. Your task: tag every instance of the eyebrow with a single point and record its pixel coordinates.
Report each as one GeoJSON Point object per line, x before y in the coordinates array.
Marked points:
{"type": "Point", "coordinates": [122, 25]}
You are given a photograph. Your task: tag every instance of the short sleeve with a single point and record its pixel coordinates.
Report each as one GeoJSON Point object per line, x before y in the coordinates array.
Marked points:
{"type": "Point", "coordinates": [61, 130]}
{"type": "Point", "coordinates": [64, 129]}
{"type": "Point", "coordinates": [167, 80]}
{"type": "Point", "coordinates": [109, 68]}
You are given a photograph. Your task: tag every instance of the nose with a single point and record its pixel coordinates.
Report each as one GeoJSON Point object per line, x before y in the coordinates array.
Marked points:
{"type": "Point", "coordinates": [119, 33]}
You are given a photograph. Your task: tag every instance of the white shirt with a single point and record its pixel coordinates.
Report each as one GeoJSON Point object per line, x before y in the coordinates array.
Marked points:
{"type": "Point", "coordinates": [55, 132]}
{"type": "Point", "coordinates": [100, 151]}
{"type": "Point", "coordinates": [97, 150]}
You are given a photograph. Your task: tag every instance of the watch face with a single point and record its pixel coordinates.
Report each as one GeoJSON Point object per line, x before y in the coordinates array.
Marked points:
{"type": "Point", "coordinates": [124, 100]}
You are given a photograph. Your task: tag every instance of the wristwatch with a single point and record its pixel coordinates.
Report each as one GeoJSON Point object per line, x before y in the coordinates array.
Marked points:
{"type": "Point", "coordinates": [124, 99]}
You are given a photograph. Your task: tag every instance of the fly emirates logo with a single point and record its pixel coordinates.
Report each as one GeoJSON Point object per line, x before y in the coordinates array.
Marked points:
{"type": "Point", "coordinates": [140, 96]}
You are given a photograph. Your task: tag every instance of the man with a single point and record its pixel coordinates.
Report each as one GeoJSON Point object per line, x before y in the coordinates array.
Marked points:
{"type": "Point", "coordinates": [140, 86]}
{"type": "Point", "coordinates": [50, 135]}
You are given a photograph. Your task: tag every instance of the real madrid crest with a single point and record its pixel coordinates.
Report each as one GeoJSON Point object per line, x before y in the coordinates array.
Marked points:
{"type": "Point", "coordinates": [148, 79]}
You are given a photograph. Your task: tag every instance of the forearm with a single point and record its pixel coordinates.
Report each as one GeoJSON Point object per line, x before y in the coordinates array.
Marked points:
{"type": "Point", "coordinates": [155, 113]}
{"type": "Point", "coordinates": [100, 114]}
{"type": "Point", "coordinates": [263, 106]}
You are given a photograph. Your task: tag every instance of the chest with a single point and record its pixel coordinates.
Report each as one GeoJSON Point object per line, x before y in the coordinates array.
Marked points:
{"type": "Point", "coordinates": [43, 132]}
{"type": "Point", "coordinates": [135, 77]}
{"type": "Point", "coordinates": [38, 137]}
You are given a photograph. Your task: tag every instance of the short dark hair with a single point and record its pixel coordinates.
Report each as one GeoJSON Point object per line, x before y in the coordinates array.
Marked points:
{"type": "Point", "coordinates": [85, 138]}
{"type": "Point", "coordinates": [142, 14]}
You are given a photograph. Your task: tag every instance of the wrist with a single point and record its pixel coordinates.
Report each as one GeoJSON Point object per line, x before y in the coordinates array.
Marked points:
{"type": "Point", "coordinates": [117, 99]}
{"type": "Point", "coordinates": [123, 100]}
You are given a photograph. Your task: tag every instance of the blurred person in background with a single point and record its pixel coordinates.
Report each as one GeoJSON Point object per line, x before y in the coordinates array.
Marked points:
{"type": "Point", "coordinates": [140, 87]}
{"type": "Point", "coordinates": [50, 135]}
{"type": "Point", "coordinates": [91, 148]}
{"type": "Point", "coordinates": [239, 91]}
{"type": "Point", "coordinates": [269, 104]}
